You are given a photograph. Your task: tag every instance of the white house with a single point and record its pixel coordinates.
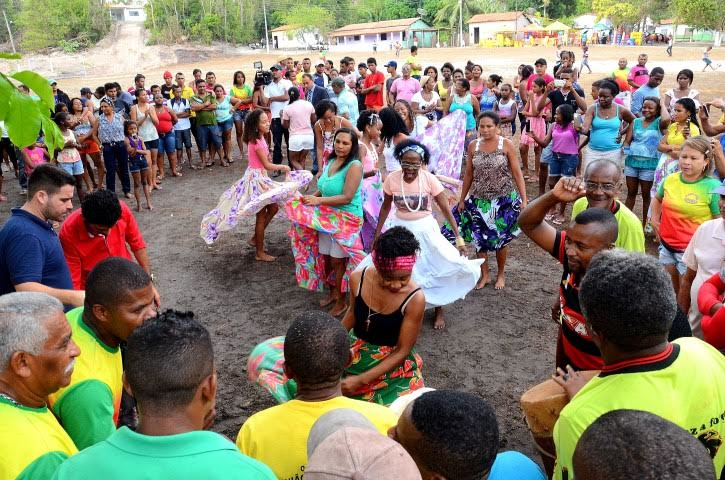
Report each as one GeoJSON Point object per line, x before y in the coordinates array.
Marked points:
{"type": "Point", "coordinates": [486, 25]}
{"type": "Point", "coordinates": [133, 12]}
{"type": "Point", "coordinates": [363, 36]}
{"type": "Point", "coordinates": [294, 37]}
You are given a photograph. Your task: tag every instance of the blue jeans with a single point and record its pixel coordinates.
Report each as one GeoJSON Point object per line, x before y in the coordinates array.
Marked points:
{"type": "Point", "coordinates": [115, 157]}
{"type": "Point", "coordinates": [206, 134]}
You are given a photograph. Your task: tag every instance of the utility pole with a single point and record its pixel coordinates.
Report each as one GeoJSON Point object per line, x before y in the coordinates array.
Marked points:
{"type": "Point", "coordinates": [266, 33]}
{"type": "Point", "coordinates": [10, 33]}
{"type": "Point", "coordinates": [460, 24]}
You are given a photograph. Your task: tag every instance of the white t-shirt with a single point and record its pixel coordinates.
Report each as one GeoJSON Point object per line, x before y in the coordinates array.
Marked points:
{"type": "Point", "coordinates": [275, 89]}
{"type": "Point", "coordinates": [423, 103]}
{"type": "Point", "coordinates": [5, 130]}
{"type": "Point", "coordinates": [298, 114]}
{"type": "Point", "coordinates": [179, 107]}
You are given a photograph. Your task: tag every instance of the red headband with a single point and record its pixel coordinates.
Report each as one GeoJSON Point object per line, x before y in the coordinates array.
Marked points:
{"type": "Point", "coordinates": [405, 263]}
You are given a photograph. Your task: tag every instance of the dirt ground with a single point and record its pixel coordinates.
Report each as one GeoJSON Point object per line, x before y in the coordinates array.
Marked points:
{"type": "Point", "coordinates": [496, 344]}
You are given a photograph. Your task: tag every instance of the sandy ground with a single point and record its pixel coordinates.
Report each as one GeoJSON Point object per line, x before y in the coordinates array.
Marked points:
{"type": "Point", "coordinates": [496, 344]}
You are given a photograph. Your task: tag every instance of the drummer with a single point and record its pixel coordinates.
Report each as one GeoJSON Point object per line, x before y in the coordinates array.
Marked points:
{"type": "Point", "coordinates": [592, 231]}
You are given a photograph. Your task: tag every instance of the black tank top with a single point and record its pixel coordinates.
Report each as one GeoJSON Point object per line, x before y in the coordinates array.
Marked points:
{"type": "Point", "coordinates": [378, 328]}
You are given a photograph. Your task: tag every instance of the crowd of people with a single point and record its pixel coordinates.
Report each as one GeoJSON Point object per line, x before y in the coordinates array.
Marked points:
{"type": "Point", "coordinates": [386, 182]}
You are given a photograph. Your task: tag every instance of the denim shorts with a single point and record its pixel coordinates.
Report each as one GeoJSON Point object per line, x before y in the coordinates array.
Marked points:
{"type": "Point", "coordinates": [167, 143]}
{"type": "Point", "coordinates": [240, 115]}
{"type": "Point", "coordinates": [183, 138]}
{"type": "Point", "coordinates": [226, 125]}
{"type": "Point", "coordinates": [563, 164]}
{"type": "Point", "coordinates": [639, 173]}
{"type": "Point", "coordinates": [152, 144]}
{"type": "Point", "coordinates": [668, 257]}
{"type": "Point", "coordinates": [546, 154]}
{"type": "Point", "coordinates": [206, 134]}
{"type": "Point", "coordinates": [75, 168]}
{"type": "Point", "coordinates": [137, 164]}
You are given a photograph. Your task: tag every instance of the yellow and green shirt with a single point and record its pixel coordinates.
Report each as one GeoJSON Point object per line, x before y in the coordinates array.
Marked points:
{"type": "Point", "coordinates": [630, 236]}
{"type": "Point", "coordinates": [88, 407]}
{"type": "Point", "coordinates": [242, 93]}
{"type": "Point", "coordinates": [685, 206]}
{"type": "Point", "coordinates": [32, 443]}
{"type": "Point", "coordinates": [682, 384]}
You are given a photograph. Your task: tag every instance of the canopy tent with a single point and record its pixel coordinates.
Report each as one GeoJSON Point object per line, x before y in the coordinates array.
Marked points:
{"type": "Point", "coordinates": [533, 28]}
{"type": "Point", "coordinates": [557, 27]}
{"type": "Point", "coordinates": [601, 26]}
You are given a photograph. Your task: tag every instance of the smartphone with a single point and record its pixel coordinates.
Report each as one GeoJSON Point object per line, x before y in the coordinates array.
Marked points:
{"type": "Point", "coordinates": [558, 83]}
{"type": "Point", "coordinates": [706, 109]}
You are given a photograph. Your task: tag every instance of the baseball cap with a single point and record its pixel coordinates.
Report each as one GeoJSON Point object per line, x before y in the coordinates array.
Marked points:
{"type": "Point", "coordinates": [360, 454]}
{"type": "Point", "coordinates": [721, 189]}
{"type": "Point", "coordinates": [333, 421]}
{"type": "Point", "coordinates": [320, 62]}
{"type": "Point", "coordinates": [167, 74]}
{"type": "Point", "coordinates": [51, 81]}
{"type": "Point", "coordinates": [392, 63]}
{"type": "Point", "coordinates": [276, 66]}
{"type": "Point", "coordinates": [362, 65]}
{"type": "Point", "coordinates": [86, 90]}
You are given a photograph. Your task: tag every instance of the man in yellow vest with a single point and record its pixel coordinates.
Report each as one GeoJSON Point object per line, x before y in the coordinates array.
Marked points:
{"type": "Point", "coordinates": [37, 356]}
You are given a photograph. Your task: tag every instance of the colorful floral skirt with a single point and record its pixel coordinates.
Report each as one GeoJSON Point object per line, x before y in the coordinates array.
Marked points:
{"type": "Point", "coordinates": [489, 224]}
{"type": "Point", "coordinates": [265, 367]}
{"type": "Point", "coordinates": [254, 191]}
{"type": "Point", "coordinates": [387, 388]}
{"type": "Point", "coordinates": [372, 199]}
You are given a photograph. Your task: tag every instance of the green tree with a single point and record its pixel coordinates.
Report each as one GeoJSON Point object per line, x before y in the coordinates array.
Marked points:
{"type": "Point", "coordinates": [709, 14]}
{"type": "Point", "coordinates": [448, 14]}
{"type": "Point", "coordinates": [45, 23]}
{"type": "Point", "coordinates": [618, 11]}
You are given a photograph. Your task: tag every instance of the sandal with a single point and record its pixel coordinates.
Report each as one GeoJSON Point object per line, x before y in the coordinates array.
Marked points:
{"type": "Point", "coordinates": [549, 217]}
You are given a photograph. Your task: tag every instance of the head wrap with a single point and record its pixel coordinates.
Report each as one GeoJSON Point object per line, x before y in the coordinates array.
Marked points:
{"type": "Point", "coordinates": [393, 264]}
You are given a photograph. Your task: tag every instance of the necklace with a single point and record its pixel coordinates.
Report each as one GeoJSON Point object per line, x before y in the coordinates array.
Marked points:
{"type": "Point", "coordinates": [420, 194]}
{"type": "Point", "coordinates": [372, 313]}
{"type": "Point", "coordinates": [10, 399]}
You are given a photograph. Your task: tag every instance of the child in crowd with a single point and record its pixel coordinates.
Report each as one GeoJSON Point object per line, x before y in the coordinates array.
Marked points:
{"type": "Point", "coordinates": [138, 164]}
{"type": "Point", "coordinates": [564, 138]}
{"type": "Point", "coordinates": [535, 123]}
{"type": "Point", "coordinates": [34, 155]}
{"type": "Point", "coordinates": [506, 109]}
{"type": "Point", "coordinates": [69, 159]}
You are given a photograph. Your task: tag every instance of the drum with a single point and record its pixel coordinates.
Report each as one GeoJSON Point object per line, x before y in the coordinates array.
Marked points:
{"type": "Point", "coordinates": [541, 405]}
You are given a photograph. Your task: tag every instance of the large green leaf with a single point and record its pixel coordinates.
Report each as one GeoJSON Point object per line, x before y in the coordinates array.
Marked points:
{"type": "Point", "coordinates": [53, 137]}
{"type": "Point", "coordinates": [6, 90]}
{"type": "Point", "coordinates": [23, 119]}
{"type": "Point", "coordinates": [10, 56]}
{"type": "Point", "coordinates": [38, 84]}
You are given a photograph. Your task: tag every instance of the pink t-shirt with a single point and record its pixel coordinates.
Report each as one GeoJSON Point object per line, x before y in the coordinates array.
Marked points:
{"type": "Point", "coordinates": [405, 89]}
{"type": "Point", "coordinates": [639, 75]}
{"type": "Point", "coordinates": [36, 156]}
{"type": "Point", "coordinates": [413, 200]}
{"type": "Point", "coordinates": [530, 82]}
{"type": "Point", "coordinates": [564, 140]}
{"type": "Point", "coordinates": [254, 161]}
{"type": "Point", "coordinates": [298, 114]}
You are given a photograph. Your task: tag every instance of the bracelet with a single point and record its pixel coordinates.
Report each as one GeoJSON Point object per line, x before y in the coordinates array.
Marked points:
{"type": "Point", "coordinates": [460, 242]}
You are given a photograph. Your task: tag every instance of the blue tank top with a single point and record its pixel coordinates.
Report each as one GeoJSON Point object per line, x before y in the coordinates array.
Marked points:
{"type": "Point", "coordinates": [465, 105]}
{"type": "Point", "coordinates": [488, 100]}
{"type": "Point", "coordinates": [334, 185]}
{"type": "Point", "coordinates": [604, 132]}
{"type": "Point", "coordinates": [643, 149]}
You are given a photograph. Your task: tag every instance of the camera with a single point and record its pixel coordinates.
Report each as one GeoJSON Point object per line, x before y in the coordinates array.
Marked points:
{"type": "Point", "coordinates": [262, 78]}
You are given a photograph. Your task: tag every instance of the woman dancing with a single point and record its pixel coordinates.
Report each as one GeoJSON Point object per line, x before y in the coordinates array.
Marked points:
{"type": "Point", "coordinates": [369, 125]}
{"type": "Point", "coordinates": [255, 193]}
{"type": "Point", "coordinates": [384, 320]}
{"type": "Point", "coordinates": [444, 273]}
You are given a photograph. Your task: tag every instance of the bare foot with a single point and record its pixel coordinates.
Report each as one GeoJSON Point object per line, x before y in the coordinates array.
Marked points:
{"type": "Point", "coordinates": [138, 207]}
{"type": "Point", "coordinates": [149, 207]}
{"type": "Point", "coordinates": [339, 308]}
{"type": "Point", "coordinates": [265, 257]}
{"type": "Point", "coordinates": [440, 322]}
{"type": "Point", "coordinates": [483, 281]}
{"type": "Point", "coordinates": [328, 300]}
{"type": "Point", "coordinates": [252, 241]}
{"type": "Point", "coordinates": [500, 281]}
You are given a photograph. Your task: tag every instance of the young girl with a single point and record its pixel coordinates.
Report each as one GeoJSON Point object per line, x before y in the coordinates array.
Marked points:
{"type": "Point", "coordinates": [683, 202]}
{"type": "Point", "coordinates": [255, 193]}
{"type": "Point", "coordinates": [489, 95]}
{"type": "Point", "coordinates": [683, 126]}
{"type": "Point", "coordinates": [535, 123]}
{"type": "Point", "coordinates": [369, 124]}
{"type": "Point", "coordinates": [565, 152]}
{"type": "Point", "coordinates": [640, 147]}
{"type": "Point", "coordinates": [138, 164]}
{"type": "Point", "coordinates": [34, 155]}
{"type": "Point", "coordinates": [68, 158]}
{"type": "Point", "coordinates": [506, 109]}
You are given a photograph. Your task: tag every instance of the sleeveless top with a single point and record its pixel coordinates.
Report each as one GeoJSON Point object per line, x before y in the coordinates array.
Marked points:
{"type": "Point", "coordinates": [643, 149]}
{"type": "Point", "coordinates": [488, 99]}
{"type": "Point", "coordinates": [329, 186]}
{"type": "Point", "coordinates": [328, 137]}
{"type": "Point", "coordinates": [442, 90]}
{"type": "Point", "coordinates": [137, 144]}
{"type": "Point", "coordinates": [505, 108]}
{"type": "Point", "coordinates": [370, 162]}
{"type": "Point", "coordinates": [83, 128]}
{"type": "Point", "coordinates": [491, 174]}
{"type": "Point", "coordinates": [391, 163]}
{"type": "Point", "coordinates": [147, 130]}
{"type": "Point", "coordinates": [604, 132]}
{"type": "Point", "coordinates": [464, 104]}
{"type": "Point", "coordinates": [378, 328]}
{"type": "Point", "coordinates": [165, 125]}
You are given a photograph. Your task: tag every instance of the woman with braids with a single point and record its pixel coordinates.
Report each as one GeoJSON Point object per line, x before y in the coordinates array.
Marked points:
{"type": "Point", "coordinates": [384, 320]}
{"type": "Point", "coordinates": [393, 132]}
{"type": "Point", "coordinates": [442, 270]}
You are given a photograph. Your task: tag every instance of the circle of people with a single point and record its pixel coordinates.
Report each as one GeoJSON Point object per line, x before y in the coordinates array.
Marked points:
{"type": "Point", "coordinates": [409, 170]}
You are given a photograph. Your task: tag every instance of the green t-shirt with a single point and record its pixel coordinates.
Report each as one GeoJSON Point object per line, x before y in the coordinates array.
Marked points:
{"type": "Point", "coordinates": [630, 236]}
{"type": "Point", "coordinates": [192, 455]}
{"type": "Point", "coordinates": [683, 384]}
{"type": "Point", "coordinates": [205, 117]}
{"type": "Point", "coordinates": [32, 443]}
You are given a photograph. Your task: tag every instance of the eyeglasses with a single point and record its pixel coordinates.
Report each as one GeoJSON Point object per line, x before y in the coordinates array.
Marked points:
{"type": "Point", "coordinates": [410, 166]}
{"type": "Point", "coordinates": [594, 186]}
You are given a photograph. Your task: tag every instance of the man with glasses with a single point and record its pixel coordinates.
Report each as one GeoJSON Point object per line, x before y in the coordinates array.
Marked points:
{"type": "Point", "coordinates": [602, 180]}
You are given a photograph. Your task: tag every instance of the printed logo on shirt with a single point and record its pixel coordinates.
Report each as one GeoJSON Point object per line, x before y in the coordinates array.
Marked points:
{"type": "Point", "coordinates": [410, 202]}
{"type": "Point", "coordinates": [692, 198]}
